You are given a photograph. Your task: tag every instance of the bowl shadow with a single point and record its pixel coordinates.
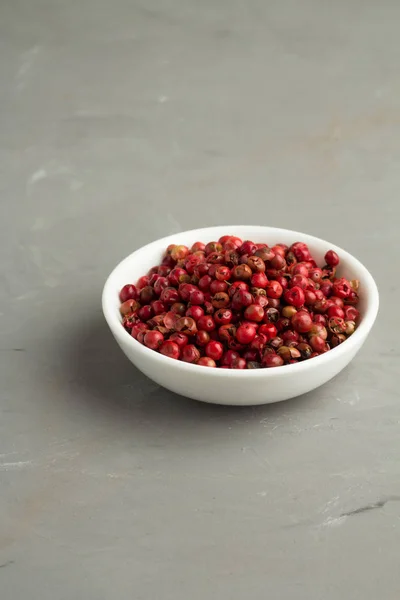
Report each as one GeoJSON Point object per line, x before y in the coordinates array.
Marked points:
{"type": "Point", "coordinates": [107, 384]}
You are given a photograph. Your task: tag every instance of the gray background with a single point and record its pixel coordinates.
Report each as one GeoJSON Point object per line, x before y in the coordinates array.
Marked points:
{"type": "Point", "coordinates": [124, 121]}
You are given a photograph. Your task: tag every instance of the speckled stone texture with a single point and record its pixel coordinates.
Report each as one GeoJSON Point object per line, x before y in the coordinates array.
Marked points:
{"type": "Point", "coordinates": [124, 121]}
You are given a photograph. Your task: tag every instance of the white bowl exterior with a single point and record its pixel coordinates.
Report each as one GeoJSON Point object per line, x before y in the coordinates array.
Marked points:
{"type": "Point", "coordinates": [224, 386]}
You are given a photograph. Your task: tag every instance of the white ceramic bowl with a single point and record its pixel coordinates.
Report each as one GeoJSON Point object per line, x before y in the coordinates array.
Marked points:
{"type": "Point", "coordinates": [238, 387]}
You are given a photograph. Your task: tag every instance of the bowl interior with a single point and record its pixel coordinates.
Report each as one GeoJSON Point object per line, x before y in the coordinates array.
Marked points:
{"type": "Point", "coordinates": [138, 263]}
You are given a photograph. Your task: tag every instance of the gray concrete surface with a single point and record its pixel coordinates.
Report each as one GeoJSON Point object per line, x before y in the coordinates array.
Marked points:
{"type": "Point", "coordinates": [124, 121]}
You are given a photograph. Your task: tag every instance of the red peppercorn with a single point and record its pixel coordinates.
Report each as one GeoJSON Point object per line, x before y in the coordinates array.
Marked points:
{"type": "Point", "coordinates": [214, 350]}
{"type": "Point", "coordinates": [231, 239]}
{"type": "Point", "coordinates": [160, 284]}
{"type": "Point", "coordinates": [217, 287]}
{"type": "Point", "coordinates": [129, 321]}
{"type": "Point", "coordinates": [129, 306]}
{"type": "Point", "coordinates": [272, 360]}
{"type": "Point", "coordinates": [179, 338]}
{"type": "Point", "coordinates": [158, 307]}
{"type": "Point", "coordinates": [198, 246]}
{"type": "Point", "coordinates": [169, 295]}
{"type": "Point", "coordinates": [342, 288]}
{"type": "Point", "coordinates": [331, 258]}
{"type": "Point", "coordinates": [352, 298]}
{"type": "Point", "coordinates": [179, 308]}
{"type": "Point", "coordinates": [168, 261]}
{"type": "Point", "coordinates": [294, 296]}
{"type": "Point", "coordinates": [190, 354]}
{"type": "Point", "coordinates": [250, 355]}
{"type": "Point", "coordinates": [269, 330]}
{"type": "Point", "coordinates": [142, 282]}
{"type": "Point", "coordinates": [140, 336]}
{"type": "Point", "coordinates": [179, 252]}
{"type": "Point", "coordinates": [196, 297]}
{"type": "Point", "coordinates": [259, 342]}
{"type": "Point", "coordinates": [164, 271]}
{"type": "Point", "coordinates": [208, 307]}
{"type": "Point", "coordinates": [195, 312]}
{"type": "Point", "coordinates": [220, 300]}
{"type": "Point", "coordinates": [201, 269]}
{"type": "Point", "coordinates": [153, 279]}
{"type": "Point", "coordinates": [338, 301]}
{"type": "Point", "coordinates": [274, 289]}
{"type": "Point", "coordinates": [226, 332]}
{"type": "Point", "coordinates": [145, 313]}
{"type": "Point", "coordinates": [302, 321]}
{"type": "Point", "coordinates": [186, 325]}
{"type": "Point", "coordinates": [259, 280]}
{"type": "Point", "coordinates": [274, 303]}
{"type": "Point", "coordinates": [147, 295]}
{"type": "Point", "coordinates": [185, 289]}
{"type": "Point", "coordinates": [241, 299]}
{"type": "Point", "coordinates": [223, 273]}
{"type": "Point", "coordinates": [310, 297]}
{"type": "Point", "coordinates": [271, 315]}
{"type": "Point", "coordinates": [153, 339]}
{"type": "Point", "coordinates": [178, 276]}
{"type": "Point", "coordinates": [337, 325]}
{"type": "Point", "coordinates": [238, 363]}
{"type": "Point", "coordinates": [278, 262]}
{"type": "Point", "coordinates": [300, 281]}
{"type": "Point", "coordinates": [223, 316]}
{"type": "Point", "coordinates": [351, 313]}
{"type": "Point", "coordinates": [254, 312]}
{"type": "Point", "coordinates": [170, 318]}
{"type": "Point", "coordinates": [229, 357]}
{"type": "Point", "coordinates": [204, 283]}
{"type": "Point", "coordinates": [300, 269]}
{"type": "Point", "coordinates": [206, 323]}
{"type": "Point", "coordinates": [350, 327]}
{"type": "Point", "coordinates": [279, 249]}
{"type": "Point", "coordinates": [216, 258]}
{"type": "Point", "coordinates": [205, 361]}
{"type": "Point", "coordinates": [301, 251]}
{"type": "Point", "coordinates": [213, 247]}
{"type": "Point", "coordinates": [321, 319]}
{"type": "Point", "coordinates": [138, 328]}
{"type": "Point", "coordinates": [202, 338]}
{"type": "Point", "coordinates": [242, 272]}
{"type": "Point", "coordinates": [317, 343]}
{"type": "Point", "coordinates": [233, 344]}
{"type": "Point", "coordinates": [237, 285]}
{"type": "Point", "coordinates": [256, 264]}
{"type": "Point", "coordinates": [128, 292]}
{"type": "Point", "coordinates": [337, 339]}
{"type": "Point", "coordinates": [319, 329]}
{"type": "Point", "coordinates": [335, 311]}
{"type": "Point", "coordinates": [315, 275]}
{"type": "Point", "coordinates": [248, 247]}
{"type": "Point", "coordinates": [267, 254]}
{"type": "Point", "coordinates": [326, 288]}
{"type": "Point", "coordinates": [284, 281]}
{"type": "Point", "coordinates": [321, 306]}
{"type": "Point", "coordinates": [245, 333]}
{"type": "Point", "coordinates": [290, 337]}
{"type": "Point", "coordinates": [282, 324]}
{"type": "Point", "coordinates": [260, 300]}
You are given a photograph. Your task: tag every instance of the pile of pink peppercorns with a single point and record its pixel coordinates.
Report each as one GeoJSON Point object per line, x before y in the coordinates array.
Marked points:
{"type": "Point", "coordinates": [236, 304]}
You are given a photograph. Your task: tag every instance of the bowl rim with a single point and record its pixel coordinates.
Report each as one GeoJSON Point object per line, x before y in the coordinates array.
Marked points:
{"type": "Point", "coordinates": [368, 282]}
